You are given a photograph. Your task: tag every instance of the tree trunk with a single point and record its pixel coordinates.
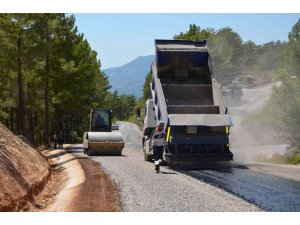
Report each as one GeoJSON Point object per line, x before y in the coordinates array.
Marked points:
{"type": "Point", "coordinates": [21, 116]}
{"type": "Point", "coordinates": [30, 117]}
{"type": "Point", "coordinates": [11, 119]}
{"type": "Point", "coordinates": [17, 120]}
{"type": "Point", "coordinates": [71, 126]}
{"type": "Point", "coordinates": [66, 127]}
{"type": "Point", "coordinates": [36, 131]}
{"type": "Point", "coordinates": [46, 138]}
{"type": "Point", "coordinates": [7, 118]}
{"type": "Point", "coordinates": [47, 69]}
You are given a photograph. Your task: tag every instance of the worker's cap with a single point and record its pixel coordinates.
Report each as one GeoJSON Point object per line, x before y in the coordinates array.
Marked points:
{"type": "Point", "coordinates": [160, 123]}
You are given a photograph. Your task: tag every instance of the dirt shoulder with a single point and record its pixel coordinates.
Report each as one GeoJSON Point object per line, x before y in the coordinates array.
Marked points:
{"type": "Point", "coordinates": [86, 187]}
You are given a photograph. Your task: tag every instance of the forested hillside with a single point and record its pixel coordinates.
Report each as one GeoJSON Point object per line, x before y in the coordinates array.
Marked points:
{"type": "Point", "coordinates": [282, 111]}
{"type": "Point", "coordinates": [50, 78]}
{"type": "Point", "coordinates": [231, 56]}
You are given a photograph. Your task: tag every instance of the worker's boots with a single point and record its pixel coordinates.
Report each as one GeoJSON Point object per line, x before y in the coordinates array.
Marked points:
{"type": "Point", "coordinates": [156, 166]}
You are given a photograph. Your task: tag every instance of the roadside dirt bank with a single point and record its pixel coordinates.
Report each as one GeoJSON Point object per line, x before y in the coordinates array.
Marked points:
{"type": "Point", "coordinates": [24, 172]}
{"type": "Point", "coordinates": [51, 180]}
{"type": "Point", "coordinates": [86, 187]}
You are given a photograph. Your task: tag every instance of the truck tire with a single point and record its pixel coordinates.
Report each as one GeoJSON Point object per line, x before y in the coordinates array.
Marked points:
{"type": "Point", "coordinates": [147, 157]}
{"type": "Point", "coordinates": [163, 163]}
{"type": "Point", "coordinates": [88, 152]}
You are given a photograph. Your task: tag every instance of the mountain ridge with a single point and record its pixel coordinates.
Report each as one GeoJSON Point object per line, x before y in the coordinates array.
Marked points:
{"type": "Point", "coordinates": [129, 78]}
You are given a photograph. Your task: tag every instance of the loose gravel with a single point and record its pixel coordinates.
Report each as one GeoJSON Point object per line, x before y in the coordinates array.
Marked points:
{"type": "Point", "coordinates": [143, 190]}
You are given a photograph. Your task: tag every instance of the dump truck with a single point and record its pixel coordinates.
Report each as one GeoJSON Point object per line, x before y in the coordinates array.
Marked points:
{"type": "Point", "coordinates": [232, 92]}
{"type": "Point", "coordinates": [103, 138]}
{"type": "Point", "coordinates": [187, 98]}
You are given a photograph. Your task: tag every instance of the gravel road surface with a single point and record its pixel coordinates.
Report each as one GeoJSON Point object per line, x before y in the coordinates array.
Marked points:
{"type": "Point", "coordinates": [234, 187]}
{"type": "Point", "coordinates": [141, 189]}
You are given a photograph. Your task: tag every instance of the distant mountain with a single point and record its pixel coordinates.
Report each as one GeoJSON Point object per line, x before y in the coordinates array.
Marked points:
{"type": "Point", "coordinates": [130, 78]}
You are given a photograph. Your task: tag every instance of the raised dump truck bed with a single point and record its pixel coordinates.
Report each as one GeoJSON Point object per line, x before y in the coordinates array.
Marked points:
{"type": "Point", "coordinates": [186, 97]}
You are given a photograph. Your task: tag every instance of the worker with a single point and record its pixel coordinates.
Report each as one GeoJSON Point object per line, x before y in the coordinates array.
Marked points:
{"type": "Point", "coordinates": [157, 142]}
{"type": "Point", "coordinates": [55, 139]}
{"type": "Point", "coordinates": [60, 139]}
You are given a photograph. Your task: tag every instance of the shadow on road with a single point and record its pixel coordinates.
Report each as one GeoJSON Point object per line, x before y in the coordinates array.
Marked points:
{"type": "Point", "coordinates": [108, 155]}
{"type": "Point", "coordinates": [167, 172]}
{"type": "Point", "coordinates": [63, 152]}
{"type": "Point", "coordinates": [58, 154]}
{"type": "Point", "coordinates": [225, 167]}
{"type": "Point", "coordinates": [58, 165]}
{"type": "Point", "coordinates": [73, 147]}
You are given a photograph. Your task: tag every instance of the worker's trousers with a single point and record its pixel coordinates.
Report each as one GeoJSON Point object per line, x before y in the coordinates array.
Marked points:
{"type": "Point", "coordinates": [158, 154]}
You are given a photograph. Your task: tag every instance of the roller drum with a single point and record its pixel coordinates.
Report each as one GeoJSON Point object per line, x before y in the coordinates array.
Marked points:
{"type": "Point", "coordinates": [103, 143]}
{"type": "Point", "coordinates": [104, 137]}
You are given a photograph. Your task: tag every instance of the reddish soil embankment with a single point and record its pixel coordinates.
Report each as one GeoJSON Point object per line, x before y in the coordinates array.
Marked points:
{"type": "Point", "coordinates": [23, 172]}
{"type": "Point", "coordinates": [51, 180]}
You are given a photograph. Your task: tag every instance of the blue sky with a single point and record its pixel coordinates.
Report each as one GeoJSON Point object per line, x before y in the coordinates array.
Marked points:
{"type": "Point", "coordinates": [120, 38]}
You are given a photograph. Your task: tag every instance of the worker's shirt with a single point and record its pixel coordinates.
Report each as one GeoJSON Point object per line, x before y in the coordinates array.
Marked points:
{"type": "Point", "coordinates": [158, 138]}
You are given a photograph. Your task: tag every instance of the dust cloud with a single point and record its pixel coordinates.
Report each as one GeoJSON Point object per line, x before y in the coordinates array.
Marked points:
{"type": "Point", "coordinates": [248, 144]}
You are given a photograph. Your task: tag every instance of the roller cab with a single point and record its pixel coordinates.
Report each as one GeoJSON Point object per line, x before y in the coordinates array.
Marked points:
{"type": "Point", "coordinates": [103, 138]}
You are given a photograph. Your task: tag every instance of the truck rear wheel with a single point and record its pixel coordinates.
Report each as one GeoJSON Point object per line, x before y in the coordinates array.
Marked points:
{"type": "Point", "coordinates": [84, 151]}
{"type": "Point", "coordinates": [88, 152]}
{"type": "Point", "coordinates": [147, 157]}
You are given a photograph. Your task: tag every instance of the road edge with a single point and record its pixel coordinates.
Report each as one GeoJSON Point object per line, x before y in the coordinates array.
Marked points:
{"type": "Point", "coordinates": [81, 179]}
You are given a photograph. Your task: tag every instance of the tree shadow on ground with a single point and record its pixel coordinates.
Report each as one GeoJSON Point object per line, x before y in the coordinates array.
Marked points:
{"type": "Point", "coordinates": [58, 165]}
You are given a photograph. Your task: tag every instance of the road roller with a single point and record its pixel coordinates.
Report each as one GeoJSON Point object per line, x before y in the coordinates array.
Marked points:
{"type": "Point", "coordinates": [103, 138]}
